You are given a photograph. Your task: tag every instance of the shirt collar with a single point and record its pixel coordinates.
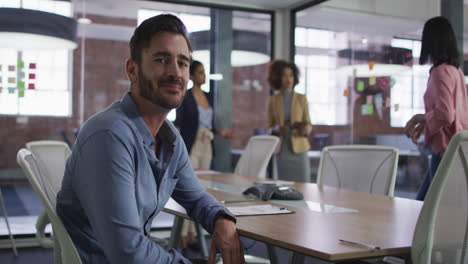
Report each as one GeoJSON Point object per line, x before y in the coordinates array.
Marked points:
{"type": "Point", "coordinates": [166, 132]}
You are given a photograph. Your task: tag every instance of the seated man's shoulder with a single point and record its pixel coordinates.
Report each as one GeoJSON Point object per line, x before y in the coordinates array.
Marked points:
{"type": "Point", "coordinates": [112, 121]}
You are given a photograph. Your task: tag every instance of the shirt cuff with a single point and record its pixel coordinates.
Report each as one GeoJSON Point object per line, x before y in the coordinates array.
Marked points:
{"type": "Point", "coordinates": [225, 214]}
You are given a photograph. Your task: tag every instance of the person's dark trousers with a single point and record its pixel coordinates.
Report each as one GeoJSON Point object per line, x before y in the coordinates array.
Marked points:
{"type": "Point", "coordinates": [435, 160]}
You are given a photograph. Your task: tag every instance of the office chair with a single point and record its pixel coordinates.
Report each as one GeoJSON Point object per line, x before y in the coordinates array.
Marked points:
{"type": "Point", "coordinates": [257, 154]}
{"type": "Point", "coordinates": [441, 231]}
{"type": "Point", "coordinates": [64, 249]}
{"type": "Point", "coordinates": [51, 157]}
{"type": "Point", "coordinates": [364, 168]}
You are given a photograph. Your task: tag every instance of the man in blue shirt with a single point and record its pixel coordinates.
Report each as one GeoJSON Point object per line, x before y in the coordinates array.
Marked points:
{"type": "Point", "coordinates": [128, 160]}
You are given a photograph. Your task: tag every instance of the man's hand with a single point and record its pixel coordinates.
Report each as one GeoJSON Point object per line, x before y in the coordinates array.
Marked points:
{"type": "Point", "coordinates": [415, 126]}
{"type": "Point", "coordinates": [226, 241]}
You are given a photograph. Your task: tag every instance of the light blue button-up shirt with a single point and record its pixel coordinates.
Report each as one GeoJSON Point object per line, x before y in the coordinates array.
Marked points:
{"type": "Point", "coordinates": [114, 185]}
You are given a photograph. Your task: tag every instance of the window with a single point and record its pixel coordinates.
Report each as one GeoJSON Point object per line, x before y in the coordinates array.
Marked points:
{"type": "Point", "coordinates": [320, 80]}
{"type": "Point", "coordinates": [409, 88]}
{"type": "Point", "coordinates": [36, 82]}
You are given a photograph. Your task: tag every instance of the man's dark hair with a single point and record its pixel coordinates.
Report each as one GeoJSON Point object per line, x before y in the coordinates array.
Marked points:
{"type": "Point", "coordinates": [439, 43]}
{"type": "Point", "coordinates": [151, 27]}
{"type": "Point", "coordinates": [275, 72]}
{"type": "Point", "coordinates": [193, 66]}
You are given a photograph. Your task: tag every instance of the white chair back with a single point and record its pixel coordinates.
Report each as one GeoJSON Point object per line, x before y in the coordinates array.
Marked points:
{"type": "Point", "coordinates": [257, 153]}
{"type": "Point", "coordinates": [40, 184]}
{"type": "Point", "coordinates": [441, 231]}
{"type": "Point", "coordinates": [51, 157]}
{"type": "Point", "coordinates": [364, 168]}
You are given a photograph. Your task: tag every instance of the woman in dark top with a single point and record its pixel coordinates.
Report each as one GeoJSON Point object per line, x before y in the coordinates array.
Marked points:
{"type": "Point", "coordinates": [195, 121]}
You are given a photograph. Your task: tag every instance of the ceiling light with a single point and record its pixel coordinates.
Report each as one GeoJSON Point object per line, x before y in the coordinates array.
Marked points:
{"type": "Point", "coordinates": [248, 47]}
{"type": "Point", "coordinates": [387, 61]}
{"type": "Point", "coordinates": [32, 29]}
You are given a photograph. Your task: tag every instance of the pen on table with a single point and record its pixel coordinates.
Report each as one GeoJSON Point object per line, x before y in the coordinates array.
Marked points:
{"type": "Point", "coordinates": [359, 244]}
{"type": "Point", "coordinates": [238, 201]}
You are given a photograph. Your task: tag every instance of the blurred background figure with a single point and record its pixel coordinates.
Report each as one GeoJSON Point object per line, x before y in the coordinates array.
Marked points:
{"type": "Point", "coordinates": [195, 121]}
{"type": "Point", "coordinates": [288, 117]}
{"type": "Point", "coordinates": [445, 100]}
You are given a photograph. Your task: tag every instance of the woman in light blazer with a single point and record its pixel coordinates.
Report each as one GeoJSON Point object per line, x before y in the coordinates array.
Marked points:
{"type": "Point", "coordinates": [288, 117]}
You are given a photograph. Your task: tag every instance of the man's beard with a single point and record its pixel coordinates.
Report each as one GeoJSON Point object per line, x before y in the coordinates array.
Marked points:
{"type": "Point", "coordinates": [154, 95]}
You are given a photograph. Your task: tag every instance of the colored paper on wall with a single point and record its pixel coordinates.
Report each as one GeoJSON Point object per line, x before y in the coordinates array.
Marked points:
{"type": "Point", "coordinates": [31, 86]}
{"type": "Point", "coordinates": [397, 107]}
{"type": "Point", "coordinates": [387, 102]}
{"type": "Point", "coordinates": [11, 90]}
{"type": "Point", "coordinates": [20, 64]}
{"type": "Point", "coordinates": [32, 65]}
{"type": "Point", "coordinates": [354, 72]}
{"type": "Point", "coordinates": [11, 68]}
{"type": "Point", "coordinates": [21, 85]}
{"type": "Point", "coordinates": [371, 65]}
{"type": "Point", "coordinates": [345, 92]}
{"type": "Point", "coordinates": [372, 80]}
{"type": "Point", "coordinates": [32, 76]}
{"type": "Point", "coordinates": [1, 89]}
{"type": "Point", "coordinates": [370, 109]}
{"type": "Point", "coordinates": [364, 109]}
{"type": "Point", "coordinates": [20, 93]}
{"type": "Point", "coordinates": [11, 80]}
{"type": "Point", "coordinates": [0, 79]}
{"type": "Point", "coordinates": [21, 75]}
{"type": "Point", "coordinates": [360, 86]}
{"type": "Point", "coordinates": [378, 101]}
{"type": "Point", "coordinates": [369, 99]}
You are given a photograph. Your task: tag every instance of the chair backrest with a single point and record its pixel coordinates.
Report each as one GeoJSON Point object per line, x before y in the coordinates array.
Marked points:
{"type": "Point", "coordinates": [51, 157]}
{"type": "Point", "coordinates": [257, 153]}
{"type": "Point", "coordinates": [364, 168]}
{"type": "Point", "coordinates": [441, 231]}
{"type": "Point", "coordinates": [28, 163]}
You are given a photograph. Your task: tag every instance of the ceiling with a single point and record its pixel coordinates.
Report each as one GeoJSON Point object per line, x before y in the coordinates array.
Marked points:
{"type": "Point", "coordinates": [320, 16]}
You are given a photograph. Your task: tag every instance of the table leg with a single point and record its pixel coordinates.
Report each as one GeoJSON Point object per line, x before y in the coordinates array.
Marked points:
{"type": "Point", "coordinates": [7, 224]}
{"type": "Point", "coordinates": [201, 240]}
{"type": "Point", "coordinates": [297, 258]}
{"type": "Point", "coordinates": [272, 254]}
{"type": "Point", "coordinates": [175, 233]}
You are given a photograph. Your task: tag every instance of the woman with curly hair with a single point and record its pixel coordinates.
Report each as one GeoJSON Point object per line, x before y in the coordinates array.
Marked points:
{"type": "Point", "coordinates": [288, 117]}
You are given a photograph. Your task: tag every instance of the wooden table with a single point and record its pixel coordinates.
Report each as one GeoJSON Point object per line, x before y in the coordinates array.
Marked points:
{"type": "Point", "coordinates": [372, 219]}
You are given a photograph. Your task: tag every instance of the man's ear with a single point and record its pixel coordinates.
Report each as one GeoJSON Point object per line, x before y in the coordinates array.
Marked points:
{"type": "Point", "coordinates": [131, 68]}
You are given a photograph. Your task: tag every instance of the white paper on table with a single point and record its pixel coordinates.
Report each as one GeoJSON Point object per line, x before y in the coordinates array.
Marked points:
{"type": "Point", "coordinates": [266, 209]}
{"type": "Point", "coordinates": [197, 172]}
{"type": "Point", "coordinates": [278, 182]}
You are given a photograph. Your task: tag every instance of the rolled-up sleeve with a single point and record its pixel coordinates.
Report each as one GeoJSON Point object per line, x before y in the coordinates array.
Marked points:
{"type": "Point", "coordinates": [105, 187]}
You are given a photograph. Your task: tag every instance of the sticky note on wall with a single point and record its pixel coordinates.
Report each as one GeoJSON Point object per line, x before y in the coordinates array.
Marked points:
{"type": "Point", "coordinates": [360, 86]}
{"type": "Point", "coordinates": [370, 109]}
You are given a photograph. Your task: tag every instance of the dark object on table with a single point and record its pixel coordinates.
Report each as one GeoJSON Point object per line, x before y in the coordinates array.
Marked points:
{"type": "Point", "coordinates": [266, 192]}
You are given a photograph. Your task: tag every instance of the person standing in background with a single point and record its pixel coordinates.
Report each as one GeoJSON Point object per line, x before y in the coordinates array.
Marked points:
{"type": "Point", "coordinates": [195, 121]}
{"type": "Point", "coordinates": [445, 100]}
{"type": "Point", "coordinates": [288, 117]}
